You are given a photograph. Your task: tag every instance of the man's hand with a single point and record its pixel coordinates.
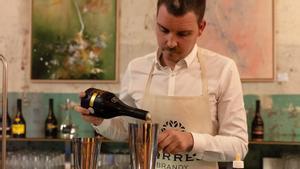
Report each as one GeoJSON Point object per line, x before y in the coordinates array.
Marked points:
{"type": "Point", "coordinates": [85, 114]}
{"type": "Point", "coordinates": [174, 141]}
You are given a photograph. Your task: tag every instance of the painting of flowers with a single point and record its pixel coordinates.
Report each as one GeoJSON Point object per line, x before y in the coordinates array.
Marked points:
{"type": "Point", "coordinates": [74, 40]}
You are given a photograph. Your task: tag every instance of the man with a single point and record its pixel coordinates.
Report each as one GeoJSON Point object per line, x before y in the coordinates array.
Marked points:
{"type": "Point", "coordinates": [194, 94]}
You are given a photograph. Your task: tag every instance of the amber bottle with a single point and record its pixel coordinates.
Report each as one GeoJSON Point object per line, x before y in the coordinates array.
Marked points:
{"type": "Point", "coordinates": [257, 131]}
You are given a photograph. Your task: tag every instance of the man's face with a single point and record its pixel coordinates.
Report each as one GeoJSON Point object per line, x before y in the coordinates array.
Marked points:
{"type": "Point", "coordinates": [177, 36]}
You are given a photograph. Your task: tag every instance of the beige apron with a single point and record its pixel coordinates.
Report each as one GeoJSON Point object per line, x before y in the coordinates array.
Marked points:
{"type": "Point", "coordinates": [186, 113]}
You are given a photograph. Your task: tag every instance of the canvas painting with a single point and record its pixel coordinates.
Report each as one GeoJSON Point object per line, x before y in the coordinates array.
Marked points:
{"type": "Point", "coordinates": [74, 40]}
{"type": "Point", "coordinates": [243, 31]}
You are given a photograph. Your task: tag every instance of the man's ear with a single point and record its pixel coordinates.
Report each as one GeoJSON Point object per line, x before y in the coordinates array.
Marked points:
{"type": "Point", "coordinates": [202, 25]}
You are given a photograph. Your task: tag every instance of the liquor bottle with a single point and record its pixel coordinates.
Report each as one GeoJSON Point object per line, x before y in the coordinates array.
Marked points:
{"type": "Point", "coordinates": [8, 125]}
{"type": "Point", "coordinates": [257, 125]}
{"type": "Point", "coordinates": [19, 125]}
{"type": "Point", "coordinates": [51, 127]}
{"type": "Point", "coordinates": [106, 105]}
{"type": "Point", "coordinates": [67, 128]}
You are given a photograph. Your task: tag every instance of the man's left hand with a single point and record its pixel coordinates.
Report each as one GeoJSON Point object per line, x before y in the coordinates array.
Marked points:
{"type": "Point", "coordinates": [174, 141]}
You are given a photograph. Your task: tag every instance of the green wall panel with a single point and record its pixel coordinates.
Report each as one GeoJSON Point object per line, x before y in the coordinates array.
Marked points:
{"type": "Point", "coordinates": [35, 110]}
{"type": "Point", "coordinates": [282, 121]}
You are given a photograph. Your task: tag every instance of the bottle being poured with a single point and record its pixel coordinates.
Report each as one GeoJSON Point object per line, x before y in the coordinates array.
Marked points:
{"type": "Point", "coordinates": [107, 105]}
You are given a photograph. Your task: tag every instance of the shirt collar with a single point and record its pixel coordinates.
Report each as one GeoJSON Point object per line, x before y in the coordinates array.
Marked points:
{"type": "Point", "coordinates": [191, 56]}
{"type": "Point", "coordinates": [187, 60]}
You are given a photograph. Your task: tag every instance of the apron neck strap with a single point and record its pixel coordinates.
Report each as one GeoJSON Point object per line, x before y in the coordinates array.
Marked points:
{"type": "Point", "coordinates": [201, 60]}
{"type": "Point", "coordinates": [203, 73]}
{"type": "Point", "coordinates": [147, 89]}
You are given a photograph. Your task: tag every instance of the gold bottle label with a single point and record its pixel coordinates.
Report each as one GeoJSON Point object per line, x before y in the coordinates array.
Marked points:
{"type": "Point", "coordinates": [51, 126]}
{"type": "Point", "coordinates": [93, 99]}
{"type": "Point", "coordinates": [17, 119]}
{"type": "Point", "coordinates": [18, 128]}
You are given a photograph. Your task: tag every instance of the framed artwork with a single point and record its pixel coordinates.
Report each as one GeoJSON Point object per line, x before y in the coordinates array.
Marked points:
{"type": "Point", "coordinates": [74, 41]}
{"type": "Point", "coordinates": [244, 31]}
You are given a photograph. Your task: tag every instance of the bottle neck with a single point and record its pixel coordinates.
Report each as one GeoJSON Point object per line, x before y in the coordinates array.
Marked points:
{"type": "Point", "coordinates": [19, 113]}
{"type": "Point", "coordinates": [7, 115]}
{"type": "Point", "coordinates": [257, 110]}
{"type": "Point", "coordinates": [50, 113]}
{"type": "Point", "coordinates": [257, 113]}
{"type": "Point", "coordinates": [19, 107]}
{"type": "Point", "coordinates": [67, 118]}
{"type": "Point", "coordinates": [50, 107]}
{"type": "Point", "coordinates": [136, 113]}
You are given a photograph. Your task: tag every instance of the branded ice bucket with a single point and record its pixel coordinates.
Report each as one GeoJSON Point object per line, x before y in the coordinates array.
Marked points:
{"type": "Point", "coordinates": [143, 145]}
{"type": "Point", "coordinates": [85, 152]}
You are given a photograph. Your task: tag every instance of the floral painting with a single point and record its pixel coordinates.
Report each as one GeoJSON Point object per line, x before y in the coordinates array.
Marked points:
{"type": "Point", "coordinates": [74, 40]}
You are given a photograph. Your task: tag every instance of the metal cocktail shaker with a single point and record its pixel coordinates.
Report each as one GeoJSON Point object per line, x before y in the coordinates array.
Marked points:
{"type": "Point", "coordinates": [143, 145]}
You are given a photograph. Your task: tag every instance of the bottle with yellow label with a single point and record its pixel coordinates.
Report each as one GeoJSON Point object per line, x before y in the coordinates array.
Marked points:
{"type": "Point", "coordinates": [19, 125]}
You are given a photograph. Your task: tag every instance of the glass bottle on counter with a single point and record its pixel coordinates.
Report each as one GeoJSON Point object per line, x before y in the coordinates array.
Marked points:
{"type": "Point", "coordinates": [51, 126]}
{"type": "Point", "coordinates": [19, 125]}
{"type": "Point", "coordinates": [67, 129]}
{"type": "Point", "coordinates": [8, 124]}
{"type": "Point", "coordinates": [238, 163]}
{"type": "Point", "coordinates": [257, 131]}
{"type": "Point", "coordinates": [105, 104]}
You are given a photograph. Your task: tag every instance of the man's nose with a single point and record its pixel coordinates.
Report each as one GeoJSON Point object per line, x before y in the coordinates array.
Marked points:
{"type": "Point", "coordinates": [171, 41]}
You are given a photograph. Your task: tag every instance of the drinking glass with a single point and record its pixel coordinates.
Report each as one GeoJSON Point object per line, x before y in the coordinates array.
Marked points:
{"type": "Point", "coordinates": [85, 152]}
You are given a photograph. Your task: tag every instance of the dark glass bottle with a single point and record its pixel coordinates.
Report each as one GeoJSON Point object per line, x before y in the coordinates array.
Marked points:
{"type": "Point", "coordinates": [19, 124]}
{"type": "Point", "coordinates": [257, 131]}
{"type": "Point", "coordinates": [106, 105]}
{"type": "Point", "coordinates": [8, 125]}
{"type": "Point", "coordinates": [51, 125]}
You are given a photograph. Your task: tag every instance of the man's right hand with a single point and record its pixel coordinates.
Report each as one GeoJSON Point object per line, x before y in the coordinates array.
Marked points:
{"type": "Point", "coordinates": [85, 113]}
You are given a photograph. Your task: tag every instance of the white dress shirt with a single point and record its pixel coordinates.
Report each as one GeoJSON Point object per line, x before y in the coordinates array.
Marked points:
{"type": "Point", "coordinates": [225, 99]}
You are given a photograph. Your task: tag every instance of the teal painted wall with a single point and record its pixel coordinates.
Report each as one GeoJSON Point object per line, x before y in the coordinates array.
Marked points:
{"type": "Point", "coordinates": [282, 122]}
{"type": "Point", "coordinates": [35, 110]}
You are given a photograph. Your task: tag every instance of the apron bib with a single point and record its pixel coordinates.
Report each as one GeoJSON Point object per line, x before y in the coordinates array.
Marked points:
{"type": "Point", "coordinates": [185, 113]}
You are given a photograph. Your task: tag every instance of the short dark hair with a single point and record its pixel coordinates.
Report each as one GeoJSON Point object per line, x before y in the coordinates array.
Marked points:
{"type": "Point", "coordinates": [181, 7]}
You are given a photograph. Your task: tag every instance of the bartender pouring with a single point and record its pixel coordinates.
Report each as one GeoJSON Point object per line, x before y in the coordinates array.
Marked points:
{"type": "Point", "coordinates": [194, 94]}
